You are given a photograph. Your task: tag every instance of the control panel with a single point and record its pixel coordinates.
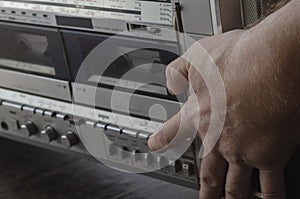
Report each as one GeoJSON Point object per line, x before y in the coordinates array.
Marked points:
{"type": "Point", "coordinates": [60, 131]}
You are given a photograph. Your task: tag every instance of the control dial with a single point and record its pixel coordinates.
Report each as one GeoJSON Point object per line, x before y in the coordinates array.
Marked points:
{"type": "Point", "coordinates": [69, 139]}
{"type": "Point", "coordinates": [28, 129]}
{"type": "Point", "coordinates": [48, 134]}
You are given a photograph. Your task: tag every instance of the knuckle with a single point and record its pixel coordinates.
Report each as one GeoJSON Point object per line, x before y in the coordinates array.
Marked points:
{"type": "Point", "coordinates": [171, 83]}
{"type": "Point", "coordinates": [202, 129]}
{"type": "Point", "coordinates": [209, 182]}
{"type": "Point", "coordinates": [176, 77]}
{"type": "Point", "coordinates": [236, 159]}
{"type": "Point", "coordinates": [231, 153]}
{"type": "Point", "coordinates": [168, 71]}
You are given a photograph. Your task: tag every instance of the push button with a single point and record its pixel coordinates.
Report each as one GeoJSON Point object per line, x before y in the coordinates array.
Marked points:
{"type": "Point", "coordinates": [143, 135]}
{"type": "Point", "coordinates": [125, 152]}
{"type": "Point", "coordinates": [100, 125]}
{"type": "Point", "coordinates": [150, 160]}
{"type": "Point", "coordinates": [112, 150]}
{"type": "Point", "coordinates": [14, 124]}
{"type": "Point", "coordinates": [39, 111]}
{"type": "Point", "coordinates": [12, 105]}
{"type": "Point", "coordinates": [130, 133]}
{"type": "Point", "coordinates": [62, 116]}
{"type": "Point", "coordinates": [28, 108]}
{"type": "Point", "coordinates": [163, 161]}
{"type": "Point", "coordinates": [188, 169]}
{"type": "Point", "coordinates": [137, 155]}
{"type": "Point", "coordinates": [49, 113]}
{"type": "Point", "coordinates": [176, 166]}
{"type": "Point", "coordinates": [113, 129]}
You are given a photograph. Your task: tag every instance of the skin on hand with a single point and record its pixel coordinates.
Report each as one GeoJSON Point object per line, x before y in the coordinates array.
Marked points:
{"type": "Point", "coordinates": [260, 70]}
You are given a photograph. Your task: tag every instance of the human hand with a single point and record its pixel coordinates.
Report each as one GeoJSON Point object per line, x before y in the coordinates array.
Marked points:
{"type": "Point", "coordinates": [262, 118]}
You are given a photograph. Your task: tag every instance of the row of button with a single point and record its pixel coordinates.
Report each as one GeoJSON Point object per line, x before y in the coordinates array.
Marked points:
{"type": "Point", "coordinates": [70, 139]}
{"type": "Point", "coordinates": [34, 110]}
{"type": "Point", "coordinates": [177, 167]}
{"type": "Point", "coordinates": [62, 116]}
{"type": "Point", "coordinates": [23, 13]}
{"type": "Point", "coordinates": [187, 168]}
{"type": "Point", "coordinates": [108, 128]}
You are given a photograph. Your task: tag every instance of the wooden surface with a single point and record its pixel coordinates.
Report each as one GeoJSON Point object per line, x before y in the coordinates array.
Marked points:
{"type": "Point", "coordinates": [34, 173]}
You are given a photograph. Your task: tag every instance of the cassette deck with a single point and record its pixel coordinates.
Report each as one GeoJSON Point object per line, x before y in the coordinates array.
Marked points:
{"type": "Point", "coordinates": [43, 90]}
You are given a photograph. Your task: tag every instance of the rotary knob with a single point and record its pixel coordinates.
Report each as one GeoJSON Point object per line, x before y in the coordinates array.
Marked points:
{"type": "Point", "coordinates": [28, 129]}
{"type": "Point", "coordinates": [69, 139]}
{"type": "Point", "coordinates": [48, 134]}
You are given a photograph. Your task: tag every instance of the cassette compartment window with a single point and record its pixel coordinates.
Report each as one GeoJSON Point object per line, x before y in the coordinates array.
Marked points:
{"type": "Point", "coordinates": [26, 52]}
{"type": "Point", "coordinates": [33, 50]}
{"type": "Point", "coordinates": [138, 69]}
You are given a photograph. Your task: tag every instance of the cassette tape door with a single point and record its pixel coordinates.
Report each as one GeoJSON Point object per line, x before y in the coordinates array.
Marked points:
{"type": "Point", "coordinates": [32, 49]}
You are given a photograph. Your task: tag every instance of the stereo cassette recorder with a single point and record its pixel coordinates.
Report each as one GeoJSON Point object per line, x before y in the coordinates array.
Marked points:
{"type": "Point", "coordinates": [56, 91]}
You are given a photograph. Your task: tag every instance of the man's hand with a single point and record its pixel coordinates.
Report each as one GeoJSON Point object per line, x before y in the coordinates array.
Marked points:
{"type": "Point", "coordinates": [260, 70]}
